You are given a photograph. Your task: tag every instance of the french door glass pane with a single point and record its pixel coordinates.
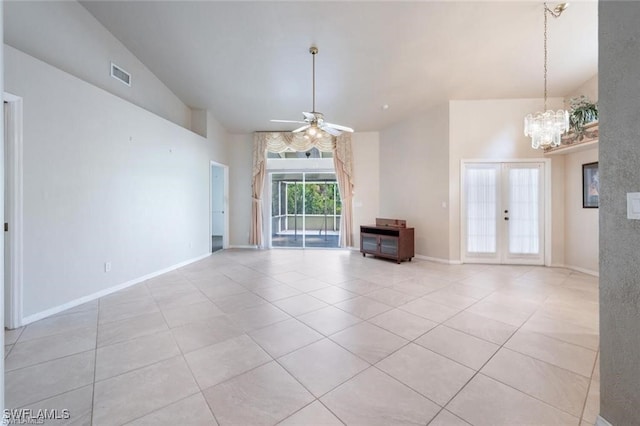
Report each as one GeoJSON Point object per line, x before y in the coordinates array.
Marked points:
{"type": "Point", "coordinates": [481, 189]}
{"type": "Point", "coordinates": [287, 206]}
{"type": "Point", "coordinates": [524, 210]}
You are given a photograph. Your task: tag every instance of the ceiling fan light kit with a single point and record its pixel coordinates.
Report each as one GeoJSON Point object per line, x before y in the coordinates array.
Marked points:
{"type": "Point", "coordinates": [546, 128]}
{"type": "Point", "coordinates": [313, 123]}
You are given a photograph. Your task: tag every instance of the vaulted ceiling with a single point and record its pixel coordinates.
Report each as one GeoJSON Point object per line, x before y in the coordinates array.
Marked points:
{"type": "Point", "coordinates": [248, 62]}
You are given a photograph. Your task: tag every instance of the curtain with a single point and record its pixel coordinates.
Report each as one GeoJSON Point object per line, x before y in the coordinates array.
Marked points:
{"type": "Point", "coordinates": [257, 186]}
{"type": "Point", "coordinates": [343, 163]}
{"type": "Point", "coordinates": [481, 189]}
{"type": "Point", "coordinates": [280, 142]}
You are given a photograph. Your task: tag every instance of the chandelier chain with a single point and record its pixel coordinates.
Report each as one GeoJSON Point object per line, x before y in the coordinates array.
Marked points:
{"type": "Point", "coordinates": [545, 56]}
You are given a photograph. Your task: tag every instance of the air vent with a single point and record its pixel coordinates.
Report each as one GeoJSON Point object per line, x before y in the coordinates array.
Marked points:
{"type": "Point", "coordinates": [120, 74]}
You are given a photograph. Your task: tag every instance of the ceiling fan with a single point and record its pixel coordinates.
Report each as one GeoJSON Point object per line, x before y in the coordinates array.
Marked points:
{"type": "Point", "coordinates": [314, 121]}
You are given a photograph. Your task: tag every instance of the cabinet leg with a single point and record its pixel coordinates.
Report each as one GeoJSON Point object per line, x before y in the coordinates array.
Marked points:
{"type": "Point", "coordinates": [410, 259]}
{"type": "Point", "coordinates": [364, 255]}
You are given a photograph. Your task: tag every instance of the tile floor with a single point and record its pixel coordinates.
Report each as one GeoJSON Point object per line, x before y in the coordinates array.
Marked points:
{"type": "Point", "coordinates": [298, 337]}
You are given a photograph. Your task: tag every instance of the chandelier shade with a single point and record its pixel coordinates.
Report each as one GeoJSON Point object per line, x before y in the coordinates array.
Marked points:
{"type": "Point", "coordinates": [546, 128]}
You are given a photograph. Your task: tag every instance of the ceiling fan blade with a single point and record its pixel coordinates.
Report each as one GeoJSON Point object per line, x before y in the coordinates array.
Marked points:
{"type": "Point", "coordinates": [331, 131]}
{"type": "Point", "coordinates": [287, 121]}
{"type": "Point", "coordinates": [309, 116]}
{"type": "Point", "coordinates": [300, 129]}
{"type": "Point", "coordinates": [339, 127]}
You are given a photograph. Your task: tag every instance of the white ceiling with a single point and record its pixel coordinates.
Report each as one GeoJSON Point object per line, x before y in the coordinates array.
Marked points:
{"type": "Point", "coordinates": [248, 62]}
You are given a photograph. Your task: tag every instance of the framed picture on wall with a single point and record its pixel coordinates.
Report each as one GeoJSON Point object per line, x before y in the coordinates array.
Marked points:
{"type": "Point", "coordinates": [590, 186]}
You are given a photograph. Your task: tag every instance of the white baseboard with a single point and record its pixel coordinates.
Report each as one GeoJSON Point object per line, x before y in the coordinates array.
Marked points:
{"type": "Point", "coordinates": [577, 269]}
{"type": "Point", "coordinates": [439, 260]}
{"type": "Point", "coordinates": [72, 304]}
{"type": "Point", "coordinates": [600, 421]}
{"type": "Point", "coordinates": [243, 247]}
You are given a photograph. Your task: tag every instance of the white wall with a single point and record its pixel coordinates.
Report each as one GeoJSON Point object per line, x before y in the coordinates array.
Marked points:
{"type": "Point", "coordinates": [240, 176]}
{"type": "Point", "coordinates": [64, 34]}
{"type": "Point", "coordinates": [493, 129]}
{"type": "Point", "coordinates": [104, 180]}
{"type": "Point", "coordinates": [366, 181]}
{"type": "Point", "coordinates": [414, 178]}
{"type": "Point", "coordinates": [581, 225]}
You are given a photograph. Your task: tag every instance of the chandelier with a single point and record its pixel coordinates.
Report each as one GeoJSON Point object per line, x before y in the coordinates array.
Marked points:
{"type": "Point", "coordinates": [546, 128]}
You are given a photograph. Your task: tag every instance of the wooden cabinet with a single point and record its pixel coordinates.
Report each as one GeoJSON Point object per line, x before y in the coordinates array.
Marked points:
{"type": "Point", "coordinates": [389, 238]}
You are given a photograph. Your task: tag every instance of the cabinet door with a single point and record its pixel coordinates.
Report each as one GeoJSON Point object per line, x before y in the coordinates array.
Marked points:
{"type": "Point", "coordinates": [389, 246]}
{"type": "Point", "coordinates": [369, 243]}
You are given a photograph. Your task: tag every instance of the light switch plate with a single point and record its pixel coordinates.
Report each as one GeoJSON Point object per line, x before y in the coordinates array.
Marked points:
{"type": "Point", "coordinates": [633, 205]}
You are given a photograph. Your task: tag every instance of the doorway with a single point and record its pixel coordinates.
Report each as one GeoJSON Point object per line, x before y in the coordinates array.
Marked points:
{"type": "Point", "coordinates": [219, 212]}
{"type": "Point", "coordinates": [13, 270]}
{"type": "Point", "coordinates": [503, 212]}
{"type": "Point", "coordinates": [305, 210]}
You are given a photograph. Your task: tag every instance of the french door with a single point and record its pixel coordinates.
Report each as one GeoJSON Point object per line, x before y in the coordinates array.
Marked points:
{"type": "Point", "coordinates": [503, 213]}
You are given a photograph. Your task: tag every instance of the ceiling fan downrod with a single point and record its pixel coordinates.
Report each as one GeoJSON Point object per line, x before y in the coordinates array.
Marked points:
{"type": "Point", "coordinates": [314, 51]}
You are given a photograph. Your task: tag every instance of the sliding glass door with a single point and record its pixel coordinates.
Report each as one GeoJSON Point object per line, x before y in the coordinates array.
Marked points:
{"type": "Point", "coordinates": [305, 210]}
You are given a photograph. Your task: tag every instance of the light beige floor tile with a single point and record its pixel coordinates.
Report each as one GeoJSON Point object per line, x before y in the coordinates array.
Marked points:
{"type": "Point", "coordinates": [56, 325]}
{"type": "Point", "coordinates": [42, 381]}
{"type": "Point", "coordinates": [11, 336]}
{"type": "Point", "coordinates": [135, 353]}
{"type": "Point", "coordinates": [196, 335]}
{"type": "Point", "coordinates": [432, 375]}
{"type": "Point", "coordinates": [363, 307]}
{"type": "Point", "coordinates": [284, 337]}
{"type": "Point", "coordinates": [596, 369]}
{"type": "Point", "coordinates": [265, 395]}
{"type": "Point", "coordinates": [403, 323]}
{"type": "Point", "coordinates": [126, 310]}
{"type": "Point", "coordinates": [448, 297]}
{"type": "Point", "coordinates": [301, 304]}
{"type": "Point", "coordinates": [333, 278]}
{"type": "Point", "coordinates": [458, 346]}
{"type": "Point", "coordinates": [276, 292]}
{"type": "Point", "coordinates": [329, 320]}
{"type": "Point", "coordinates": [470, 291]}
{"type": "Point", "coordinates": [372, 398]}
{"type": "Point", "coordinates": [512, 301]}
{"type": "Point", "coordinates": [78, 404]}
{"type": "Point", "coordinates": [368, 341]}
{"type": "Point", "coordinates": [555, 386]}
{"type": "Point", "coordinates": [119, 331]}
{"type": "Point", "coordinates": [307, 285]}
{"type": "Point", "coordinates": [126, 397]}
{"type": "Point", "coordinates": [44, 349]}
{"type": "Point", "coordinates": [220, 288]}
{"type": "Point", "coordinates": [258, 317]}
{"type": "Point", "coordinates": [565, 355]}
{"type": "Point", "coordinates": [390, 297]}
{"type": "Point", "coordinates": [179, 316]}
{"type": "Point", "coordinates": [238, 302]}
{"type": "Point", "coordinates": [486, 402]}
{"type": "Point", "coordinates": [482, 327]}
{"type": "Point", "coordinates": [445, 418]}
{"type": "Point", "coordinates": [189, 411]}
{"type": "Point", "coordinates": [181, 299]}
{"type": "Point", "coordinates": [216, 363]}
{"type": "Point", "coordinates": [564, 331]}
{"type": "Point", "coordinates": [359, 286]}
{"type": "Point", "coordinates": [127, 295]}
{"type": "Point", "coordinates": [592, 406]}
{"type": "Point", "coordinates": [289, 277]}
{"type": "Point", "coordinates": [500, 313]}
{"type": "Point", "coordinates": [417, 287]}
{"type": "Point", "coordinates": [164, 292]}
{"type": "Point", "coordinates": [260, 283]}
{"type": "Point", "coordinates": [337, 366]}
{"type": "Point", "coordinates": [430, 310]}
{"type": "Point", "coordinates": [313, 414]}
{"type": "Point", "coordinates": [85, 307]}
{"type": "Point", "coordinates": [333, 294]}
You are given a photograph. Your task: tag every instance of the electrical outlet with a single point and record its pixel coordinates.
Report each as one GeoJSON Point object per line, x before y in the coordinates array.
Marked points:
{"type": "Point", "coordinates": [107, 266]}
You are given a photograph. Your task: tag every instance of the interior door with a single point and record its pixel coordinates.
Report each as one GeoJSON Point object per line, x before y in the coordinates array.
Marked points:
{"type": "Point", "coordinates": [503, 213]}
{"type": "Point", "coordinates": [217, 207]}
